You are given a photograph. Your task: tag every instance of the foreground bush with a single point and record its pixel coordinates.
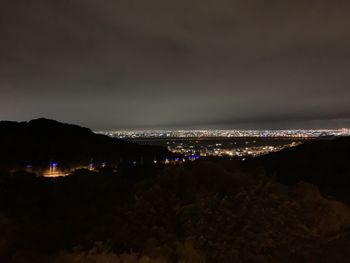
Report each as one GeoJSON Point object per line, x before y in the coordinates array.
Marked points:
{"type": "Point", "coordinates": [205, 212]}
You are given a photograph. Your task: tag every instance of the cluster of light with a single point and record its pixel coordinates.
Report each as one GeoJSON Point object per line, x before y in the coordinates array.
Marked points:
{"type": "Point", "coordinates": [54, 171]}
{"type": "Point", "coordinates": [190, 150]}
{"type": "Point", "coordinates": [226, 133]}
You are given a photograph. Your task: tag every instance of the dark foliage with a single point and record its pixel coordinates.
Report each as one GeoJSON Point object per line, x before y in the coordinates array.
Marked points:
{"type": "Point", "coordinates": [198, 212]}
{"type": "Point", "coordinates": [324, 163]}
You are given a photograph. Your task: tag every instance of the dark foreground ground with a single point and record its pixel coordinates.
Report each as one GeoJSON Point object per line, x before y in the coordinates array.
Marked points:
{"type": "Point", "coordinates": [200, 212]}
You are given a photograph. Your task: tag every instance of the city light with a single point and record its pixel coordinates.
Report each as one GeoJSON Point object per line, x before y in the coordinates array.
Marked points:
{"type": "Point", "coordinates": [225, 143]}
{"type": "Point", "coordinates": [156, 134]}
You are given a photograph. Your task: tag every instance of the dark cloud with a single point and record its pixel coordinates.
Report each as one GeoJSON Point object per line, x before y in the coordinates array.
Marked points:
{"type": "Point", "coordinates": [156, 63]}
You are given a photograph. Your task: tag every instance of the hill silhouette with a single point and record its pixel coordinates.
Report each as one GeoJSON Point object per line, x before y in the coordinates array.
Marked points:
{"type": "Point", "coordinates": [37, 141]}
{"type": "Point", "coordinates": [324, 163]}
{"type": "Point", "coordinates": [206, 211]}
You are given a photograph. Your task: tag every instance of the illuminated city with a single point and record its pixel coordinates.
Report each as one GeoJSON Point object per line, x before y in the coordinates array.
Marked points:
{"type": "Point", "coordinates": [135, 134]}
{"type": "Point", "coordinates": [224, 143]}
{"type": "Point", "coordinates": [178, 131]}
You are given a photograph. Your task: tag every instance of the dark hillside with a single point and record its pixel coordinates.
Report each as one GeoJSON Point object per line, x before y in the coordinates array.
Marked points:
{"type": "Point", "coordinates": [201, 212]}
{"type": "Point", "coordinates": [325, 163]}
{"type": "Point", "coordinates": [37, 141]}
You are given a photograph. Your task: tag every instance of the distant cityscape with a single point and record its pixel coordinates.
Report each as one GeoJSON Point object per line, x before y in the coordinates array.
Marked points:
{"type": "Point", "coordinates": [224, 143]}
{"type": "Point", "coordinates": [136, 134]}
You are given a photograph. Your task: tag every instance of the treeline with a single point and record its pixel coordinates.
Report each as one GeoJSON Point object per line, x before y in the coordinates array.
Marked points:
{"type": "Point", "coordinates": [197, 212]}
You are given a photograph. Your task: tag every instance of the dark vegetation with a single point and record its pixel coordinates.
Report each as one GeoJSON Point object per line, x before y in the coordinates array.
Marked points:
{"type": "Point", "coordinates": [199, 212]}
{"type": "Point", "coordinates": [325, 163]}
{"type": "Point", "coordinates": [205, 211]}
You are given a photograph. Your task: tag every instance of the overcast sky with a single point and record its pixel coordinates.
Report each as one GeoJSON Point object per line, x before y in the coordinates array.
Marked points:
{"type": "Point", "coordinates": [173, 64]}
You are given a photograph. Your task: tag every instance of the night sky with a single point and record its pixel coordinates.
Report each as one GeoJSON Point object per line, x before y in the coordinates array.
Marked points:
{"type": "Point", "coordinates": [131, 64]}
